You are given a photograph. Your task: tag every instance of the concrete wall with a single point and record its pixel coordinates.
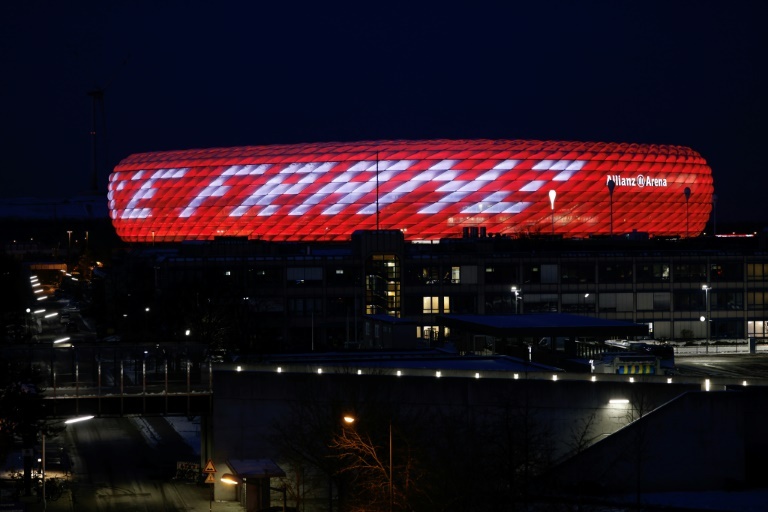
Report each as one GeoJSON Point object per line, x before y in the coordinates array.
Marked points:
{"type": "Point", "coordinates": [248, 405]}
{"type": "Point", "coordinates": [700, 441]}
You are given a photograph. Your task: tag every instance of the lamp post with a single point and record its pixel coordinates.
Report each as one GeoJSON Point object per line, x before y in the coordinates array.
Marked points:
{"type": "Point", "coordinates": [708, 311]}
{"type": "Point", "coordinates": [349, 420]}
{"type": "Point", "coordinates": [516, 292]}
{"type": "Point", "coordinates": [42, 458]}
{"type": "Point", "coordinates": [611, 185]}
{"type": "Point", "coordinates": [687, 192]}
{"type": "Point", "coordinates": [42, 467]}
{"type": "Point", "coordinates": [552, 195]}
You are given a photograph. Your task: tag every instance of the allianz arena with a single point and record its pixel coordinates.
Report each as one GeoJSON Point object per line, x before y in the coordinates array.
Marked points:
{"type": "Point", "coordinates": [427, 189]}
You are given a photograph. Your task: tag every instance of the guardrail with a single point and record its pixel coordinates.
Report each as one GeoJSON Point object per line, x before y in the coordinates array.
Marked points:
{"type": "Point", "coordinates": [719, 348]}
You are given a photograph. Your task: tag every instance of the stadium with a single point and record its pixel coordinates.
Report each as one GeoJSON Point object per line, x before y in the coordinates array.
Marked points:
{"type": "Point", "coordinates": [428, 190]}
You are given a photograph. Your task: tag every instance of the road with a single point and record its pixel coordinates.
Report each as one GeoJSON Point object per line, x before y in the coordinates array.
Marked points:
{"type": "Point", "coordinates": [736, 366]}
{"type": "Point", "coordinates": [123, 464]}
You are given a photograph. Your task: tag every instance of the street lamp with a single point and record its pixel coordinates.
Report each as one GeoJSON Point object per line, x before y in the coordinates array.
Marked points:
{"type": "Point", "coordinates": [708, 310]}
{"type": "Point", "coordinates": [552, 195]}
{"type": "Point", "coordinates": [687, 192]}
{"type": "Point", "coordinates": [517, 292]}
{"type": "Point", "coordinates": [42, 458]}
{"type": "Point", "coordinates": [611, 185]}
{"type": "Point", "coordinates": [78, 419]}
{"type": "Point", "coordinates": [349, 420]}
{"type": "Point", "coordinates": [229, 478]}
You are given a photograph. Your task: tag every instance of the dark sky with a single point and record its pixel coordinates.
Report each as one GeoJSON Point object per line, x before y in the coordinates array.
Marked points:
{"type": "Point", "coordinates": [185, 74]}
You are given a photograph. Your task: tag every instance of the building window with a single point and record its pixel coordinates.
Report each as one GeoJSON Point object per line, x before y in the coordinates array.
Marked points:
{"type": "Point", "coordinates": [613, 302]}
{"type": "Point", "coordinates": [689, 300]}
{"type": "Point", "coordinates": [757, 300]}
{"type": "Point", "coordinates": [757, 329]}
{"type": "Point", "coordinates": [300, 276]}
{"type": "Point", "coordinates": [690, 273]}
{"type": "Point", "coordinates": [757, 271]}
{"type": "Point", "coordinates": [382, 285]}
{"type": "Point", "coordinates": [578, 302]}
{"type": "Point", "coordinates": [575, 272]}
{"type": "Point", "coordinates": [726, 271]}
{"type": "Point", "coordinates": [502, 274]}
{"type": "Point", "coordinates": [653, 301]}
{"type": "Point", "coordinates": [431, 332]}
{"type": "Point", "coordinates": [432, 305]}
{"type": "Point", "coordinates": [653, 273]}
{"type": "Point", "coordinates": [541, 303]}
{"type": "Point", "coordinates": [545, 273]}
{"type": "Point", "coordinates": [727, 300]}
{"type": "Point", "coordinates": [620, 272]}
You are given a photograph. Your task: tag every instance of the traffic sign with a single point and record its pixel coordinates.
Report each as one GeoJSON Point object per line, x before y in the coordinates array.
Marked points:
{"type": "Point", "coordinates": [209, 468]}
{"type": "Point", "coordinates": [210, 479]}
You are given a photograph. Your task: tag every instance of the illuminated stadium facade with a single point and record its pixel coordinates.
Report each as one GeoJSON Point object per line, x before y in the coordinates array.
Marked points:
{"type": "Point", "coordinates": [428, 190]}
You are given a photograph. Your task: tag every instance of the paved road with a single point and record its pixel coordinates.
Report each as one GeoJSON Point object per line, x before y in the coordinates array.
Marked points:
{"type": "Point", "coordinates": [741, 365]}
{"type": "Point", "coordinates": [128, 464]}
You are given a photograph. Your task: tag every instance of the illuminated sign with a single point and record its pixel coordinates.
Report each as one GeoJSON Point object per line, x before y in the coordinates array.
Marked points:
{"type": "Point", "coordinates": [427, 189]}
{"type": "Point", "coordinates": [637, 181]}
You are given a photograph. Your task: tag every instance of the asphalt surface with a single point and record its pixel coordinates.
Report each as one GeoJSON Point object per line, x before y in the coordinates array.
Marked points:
{"type": "Point", "coordinates": [180, 497]}
{"type": "Point", "coordinates": [122, 464]}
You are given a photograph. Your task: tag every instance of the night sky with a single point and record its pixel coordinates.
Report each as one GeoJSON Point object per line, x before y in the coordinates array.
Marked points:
{"type": "Point", "coordinates": [188, 74]}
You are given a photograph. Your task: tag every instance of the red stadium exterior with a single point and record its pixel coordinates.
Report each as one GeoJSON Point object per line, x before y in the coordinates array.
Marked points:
{"type": "Point", "coordinates": [428, 189]}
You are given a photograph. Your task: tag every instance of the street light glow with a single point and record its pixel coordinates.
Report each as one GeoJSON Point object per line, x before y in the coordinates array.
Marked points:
{"type": "Point", "coordinates": [229, 478]}
{"type": "Point", "coordinates": [79, 419]}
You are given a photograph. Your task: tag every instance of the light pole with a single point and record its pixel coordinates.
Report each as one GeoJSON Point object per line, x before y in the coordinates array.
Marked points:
{"type": "Point", "coordinates": [552, 195]}
{"type": "Point", "coordinates": [349, 420]}
{"type": "Point", "coordinates": [516, 292]}
{"type": "Point", "coordinates": [687, 192]}
{"type": "Point", "coordinates": [42, 458]}
{"type": "Point", "coordinates": [611, 185]}
{"type": "Point", "coordinates": [707, 309]}
{"type": "Point", "coordinates": [42, 466]}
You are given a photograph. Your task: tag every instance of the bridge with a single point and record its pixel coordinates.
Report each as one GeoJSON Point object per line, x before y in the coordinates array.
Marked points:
{"type": "Point", "coordinates": [102, 379]}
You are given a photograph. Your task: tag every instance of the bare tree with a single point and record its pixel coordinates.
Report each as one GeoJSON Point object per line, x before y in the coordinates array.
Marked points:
{"type": "Point", "coordinates": [582, 435]}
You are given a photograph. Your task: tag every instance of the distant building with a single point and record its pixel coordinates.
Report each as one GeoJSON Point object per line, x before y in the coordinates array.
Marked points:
{"type": "Point", "coordinates": [428, 190]}
{"type": "Point", "coordinates": [293, 296]}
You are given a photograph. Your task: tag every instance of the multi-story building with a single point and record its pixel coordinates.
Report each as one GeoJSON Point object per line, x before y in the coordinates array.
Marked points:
{"type": "Point", "coordinates": [300, 296]}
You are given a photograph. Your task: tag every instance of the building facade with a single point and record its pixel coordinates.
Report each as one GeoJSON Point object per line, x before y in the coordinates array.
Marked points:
{"type": "Point", "coordinates": [301, 296]}
{"type": "Point", "coordinates": [428, 190]}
